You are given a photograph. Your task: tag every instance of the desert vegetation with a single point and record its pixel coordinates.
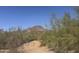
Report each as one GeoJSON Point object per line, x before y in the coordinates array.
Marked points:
{"type": "Point", "coordinates": [62, 37]}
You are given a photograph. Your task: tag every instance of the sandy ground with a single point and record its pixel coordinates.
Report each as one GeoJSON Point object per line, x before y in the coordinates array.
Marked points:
{"type": "Point", "coordinates": [33, 47]}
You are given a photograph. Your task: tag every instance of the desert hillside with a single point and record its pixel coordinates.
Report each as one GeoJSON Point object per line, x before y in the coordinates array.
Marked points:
{"type": "Point", "coordinates": [61, 36]}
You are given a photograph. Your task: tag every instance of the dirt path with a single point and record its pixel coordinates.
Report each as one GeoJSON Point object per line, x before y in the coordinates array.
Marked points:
{"type": "Point", "coordinates": [33, 47]}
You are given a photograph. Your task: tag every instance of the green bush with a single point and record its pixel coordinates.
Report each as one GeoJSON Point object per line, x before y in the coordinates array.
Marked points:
{"type": "Point", "coordinates": [63, 38]}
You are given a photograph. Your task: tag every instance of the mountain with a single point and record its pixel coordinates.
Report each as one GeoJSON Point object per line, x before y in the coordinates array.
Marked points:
{"type": "Point", "coordinates": [36, 28]}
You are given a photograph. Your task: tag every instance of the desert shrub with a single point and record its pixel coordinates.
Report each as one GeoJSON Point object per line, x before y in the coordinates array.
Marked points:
{"type": "Point", "coordinates": [64, 36]}
{"type": "Point", "coordinates": [13, 38]}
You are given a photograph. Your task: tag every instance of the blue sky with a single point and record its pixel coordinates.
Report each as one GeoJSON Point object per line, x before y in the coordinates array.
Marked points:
{"type": "Point", "coordinates": [28, 16]}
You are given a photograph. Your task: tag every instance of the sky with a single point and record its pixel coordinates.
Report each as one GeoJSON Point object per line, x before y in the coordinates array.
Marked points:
{"type": "Point", "coordinates": [28, 16]}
